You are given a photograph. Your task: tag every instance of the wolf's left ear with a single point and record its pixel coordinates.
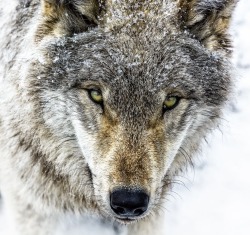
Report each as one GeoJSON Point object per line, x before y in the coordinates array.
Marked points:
{"type": "Point", "coordinates": [66, 17]}
{"type": "Point", "coordinates": [208, 21]}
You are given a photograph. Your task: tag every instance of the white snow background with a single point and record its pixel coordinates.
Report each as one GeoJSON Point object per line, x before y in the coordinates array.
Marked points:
{"type": "Point", "coordinates": [214, 198]}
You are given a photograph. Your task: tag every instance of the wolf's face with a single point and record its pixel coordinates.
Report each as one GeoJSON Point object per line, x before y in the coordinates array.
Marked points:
{"type": "Point", "coordinates": [135, 105]}
{"type": "Point", "coordinates": [136, 121]}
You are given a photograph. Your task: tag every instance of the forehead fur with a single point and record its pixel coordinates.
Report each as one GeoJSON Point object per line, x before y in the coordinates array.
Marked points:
{"type": "Point", "coordinates": [143, 63]}
{"type": "Point", "coordinates": [139, 45]}
{"type": "Point", "coordinates": [138, 15]}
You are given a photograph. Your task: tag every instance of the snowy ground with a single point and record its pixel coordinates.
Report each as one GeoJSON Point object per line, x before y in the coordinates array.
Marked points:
{"type": "Point", "coordinates": [216, 197]}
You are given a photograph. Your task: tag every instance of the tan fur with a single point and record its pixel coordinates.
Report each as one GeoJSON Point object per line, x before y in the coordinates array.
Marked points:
{"type": "Point", "coordinates": [194, 17]}
{"type": "Point", "coordinates": [59, 19]}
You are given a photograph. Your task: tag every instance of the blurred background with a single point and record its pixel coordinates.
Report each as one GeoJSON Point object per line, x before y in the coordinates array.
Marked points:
{"type": "Point", "coordinates": [214, 197]}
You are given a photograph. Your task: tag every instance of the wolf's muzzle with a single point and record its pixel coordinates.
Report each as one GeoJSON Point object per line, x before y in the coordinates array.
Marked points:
{"type": "Point", "coordinates": [129, 203]}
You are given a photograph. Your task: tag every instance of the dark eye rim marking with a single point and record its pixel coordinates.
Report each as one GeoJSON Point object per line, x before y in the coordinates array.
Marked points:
{"type": "Point", "coordinates": [165, 108]}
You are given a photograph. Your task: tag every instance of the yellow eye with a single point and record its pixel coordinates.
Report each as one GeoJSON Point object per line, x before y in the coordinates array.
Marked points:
{"type": "Point", "coordinates": [171, 102]}
{"type": "Point", "coordinates": [96, 96]}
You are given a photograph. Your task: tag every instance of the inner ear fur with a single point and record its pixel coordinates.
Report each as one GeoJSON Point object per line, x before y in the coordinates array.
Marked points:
{"type": "Point", "coordinates": [67, 17]}
{"type": "Point", "coordinates": [208, 21]}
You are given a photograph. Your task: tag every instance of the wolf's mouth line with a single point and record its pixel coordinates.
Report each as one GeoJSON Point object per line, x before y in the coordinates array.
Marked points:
{"type": "Point", "coordinates": [129, 219]}
{"type": "Point", "coordinates": [126, 220]}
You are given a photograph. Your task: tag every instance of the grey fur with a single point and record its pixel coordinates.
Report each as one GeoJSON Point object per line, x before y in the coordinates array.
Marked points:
{"type": "Point", "coordinates": [60, 152]}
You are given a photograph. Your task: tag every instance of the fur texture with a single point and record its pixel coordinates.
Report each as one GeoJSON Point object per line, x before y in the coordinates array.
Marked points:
{"type": "Point", "coordinates": [63, 153]}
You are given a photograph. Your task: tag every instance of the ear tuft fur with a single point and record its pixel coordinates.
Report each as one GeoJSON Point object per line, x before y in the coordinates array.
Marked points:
{"type": "Point", "coordinates": [208, 21]}
{"type": "Point", "coordinates": [66, 17]}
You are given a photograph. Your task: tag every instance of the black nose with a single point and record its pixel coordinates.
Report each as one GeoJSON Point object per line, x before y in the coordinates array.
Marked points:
{"type": "Point", "coordinates": [129, 203]}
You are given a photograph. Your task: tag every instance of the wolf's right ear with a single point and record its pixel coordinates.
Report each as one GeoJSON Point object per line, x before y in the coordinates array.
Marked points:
{"type": "Point", "coordinates": [208, 21]}
{"type": "Point", "coordinates": [66, 17]}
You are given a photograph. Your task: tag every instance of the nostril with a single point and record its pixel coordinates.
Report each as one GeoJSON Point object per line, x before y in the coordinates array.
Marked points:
{"type": "Point", "coordinates": [139, 212]}
{"type": "Point", "coordinates": [128, 202]}
{"type": "Point", "coordinates": [119, 210]}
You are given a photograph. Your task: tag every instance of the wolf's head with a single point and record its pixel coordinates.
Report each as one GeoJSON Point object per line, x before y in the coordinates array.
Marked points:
{"type": "Point", "coordinates": [127, 90]}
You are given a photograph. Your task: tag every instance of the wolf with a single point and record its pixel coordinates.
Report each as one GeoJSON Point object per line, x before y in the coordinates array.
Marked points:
{"type": "Point", "coordinates": [104, 102]}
